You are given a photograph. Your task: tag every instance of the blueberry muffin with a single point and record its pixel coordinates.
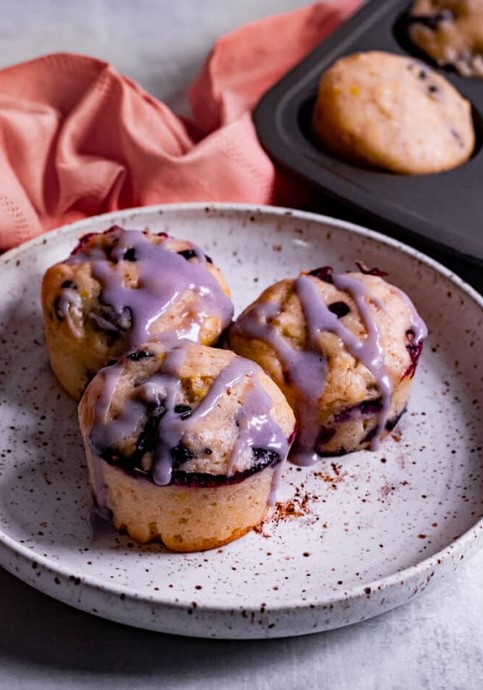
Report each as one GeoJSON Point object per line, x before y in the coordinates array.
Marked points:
{"type": "Point", "coordinates": [343, 348]}
{"type": "Point", "coordinates": [121, 288]}
{"type": "Point", "coordinates": [184, 445]}
{"type": "Point", "coordinates": [450, 32]}
{"type": "Point", "coordinates": [391, 112]}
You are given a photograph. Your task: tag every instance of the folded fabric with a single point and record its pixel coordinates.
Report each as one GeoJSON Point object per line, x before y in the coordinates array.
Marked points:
{"type": "Point", "coordinates": [78, 139]}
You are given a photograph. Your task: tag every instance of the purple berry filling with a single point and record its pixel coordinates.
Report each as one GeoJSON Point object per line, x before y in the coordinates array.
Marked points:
{"type": "Point", "coordinates": [366, 408]}
{"type": "Point", "coordinates": [130, 255]}
{"type": "Point", "coordinates": [326, 434]}
{"type": "Point", "coordinates": [263, 458]}
{"type": "Point", "coordinates": [323, 273]}
{"type": "Point", "coordinates": [188, 254]}
{"type": "Point", "coordinates": [432, 21]}
{"type": "Point", "coordinates": [192, 254]}
{"type": "Point", "coordinates": [87, 238]}
{"type": "Point", "coordinates": [203, 481]}
{"type": "Point", "coordinates": [138, 355]}
{"type": "Point", "coordinates": [108, 319]}
{"type": "Point", "coordinates": [180, 454]}
{"type": "Point", "coordinates": [83, 242]}
{"type": "Point", "coordinates": [69, 284]}
{"type": "Point", "coordinates": [414, 350]}
{"type": "Point", "coordinates": [370, 271]}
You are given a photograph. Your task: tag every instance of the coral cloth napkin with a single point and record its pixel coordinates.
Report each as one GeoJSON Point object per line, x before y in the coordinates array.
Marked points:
{"type": "Point", "coordinates": [78, 139]}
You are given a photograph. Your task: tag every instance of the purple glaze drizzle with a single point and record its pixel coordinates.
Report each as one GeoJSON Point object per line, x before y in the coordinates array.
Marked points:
{"type": "Point", "coordinates": [369, 350]}
{"type": "Point", "coordinates": [306, 370]}
{"type": "Point", "coordinates": [257, 430]}
{"type": "Point", "coordinates": [164, 276]}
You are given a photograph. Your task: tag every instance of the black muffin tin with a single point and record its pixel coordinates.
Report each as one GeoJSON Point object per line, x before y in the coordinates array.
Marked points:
{"type": "Point", "coordinates": [439, 213]}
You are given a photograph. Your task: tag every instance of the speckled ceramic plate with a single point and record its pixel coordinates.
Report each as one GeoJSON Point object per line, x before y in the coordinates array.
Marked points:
{"type": "Point", "coordinates": [350, 538]}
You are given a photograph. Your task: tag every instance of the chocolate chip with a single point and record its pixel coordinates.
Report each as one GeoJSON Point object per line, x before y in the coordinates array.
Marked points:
{"type": "Point", "coordinates": [180, 454]}
{"type": "Point", "coordinates": [148, 438]}
{"type": "Point", "coordinates": [130, 254]}
{"type": "Point", "coordinates": [184, 411]}
{"type": "Point", "coordinates": [68, 284]}
{"type": "Point", "coordinates": [188, 254]}
{"type": "Point", "coordinates": [138, 355]}
{"type": "Point", "coordinates": [340, 309]}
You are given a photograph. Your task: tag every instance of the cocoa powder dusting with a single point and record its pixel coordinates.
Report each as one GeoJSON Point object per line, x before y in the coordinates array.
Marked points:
{"type": "Point", "coordinates": [296, 507]}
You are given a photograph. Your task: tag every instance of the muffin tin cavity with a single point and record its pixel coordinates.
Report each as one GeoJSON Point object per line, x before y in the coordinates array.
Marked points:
{"type": "Point", "coordinates": [440, 212]}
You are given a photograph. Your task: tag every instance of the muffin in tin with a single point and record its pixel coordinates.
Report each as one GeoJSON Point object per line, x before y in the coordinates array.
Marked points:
{"type": "Point", "coordinates": [343, 348]}
{"type": "Point", "coordinates": [184, 445]}
{"type": "Point", "coordinates": [121, 288]}
{"type": "Point", "coordinates": [450, 32]}
{"type": "Point", "coordinates": [390, 112]}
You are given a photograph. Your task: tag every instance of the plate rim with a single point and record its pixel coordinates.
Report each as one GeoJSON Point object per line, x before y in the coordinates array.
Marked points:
{"type": "Point", "coordinates": [449, 553]}
{"type": "Point", "coordinates": [214, 206]}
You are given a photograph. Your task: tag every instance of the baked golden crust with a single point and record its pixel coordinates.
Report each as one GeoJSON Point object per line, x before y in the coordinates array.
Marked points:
{"type": "Point", "coordinates": [450, 32]}
{"type": "Point", "coordinates": [343, 415]}
{"type": "Point", "coordinates": [391, 112]}
{"type": "Point", "coordinates": [83, 332]}
{"type": "Point", "coordinates": [221, 473]}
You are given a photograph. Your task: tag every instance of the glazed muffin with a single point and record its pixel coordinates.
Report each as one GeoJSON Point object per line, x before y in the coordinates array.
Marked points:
{"type": "Point", "coordinates": [184, 445]}
{"type": "Point", "coordinates": [121, 288]}
{"type": "Point", "coordinates": [450, 32]}
{"type": "Point", "coordinates": [390, 112]}
{"type": "Point", "coordinates": [343, 348]}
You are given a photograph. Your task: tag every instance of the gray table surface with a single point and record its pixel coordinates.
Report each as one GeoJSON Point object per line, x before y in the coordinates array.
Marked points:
{"type": "Point", "coordinates": [435, 641]}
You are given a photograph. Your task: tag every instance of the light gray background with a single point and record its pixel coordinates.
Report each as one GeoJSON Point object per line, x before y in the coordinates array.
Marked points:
{"type": "Point", "coordinates": [434, 642]}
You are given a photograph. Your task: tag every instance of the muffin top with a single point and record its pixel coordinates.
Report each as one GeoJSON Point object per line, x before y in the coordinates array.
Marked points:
{"type": "Point", "coordinates": [132, 286]}
{"type": "Point", "coordinates": [332, 341]}
{"type": "Point", "coordinates": [450, 32]}
{"type": "Point", "coordinates": [188, 414]}
{"type": "Point", "coordinates": [388, 111]}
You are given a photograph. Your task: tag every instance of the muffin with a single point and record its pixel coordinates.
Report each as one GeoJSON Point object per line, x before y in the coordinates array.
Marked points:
{"type": "Point", "coordinates": [391, 112]}
{"type": "Point", "coordinates": [450, 32]}
{"type": "Point", "coordinates": [343, 348]}
{"type": "Point", "coordinates": [184, 445]}
{"type": "Point", "coordinates": [121, 288]}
